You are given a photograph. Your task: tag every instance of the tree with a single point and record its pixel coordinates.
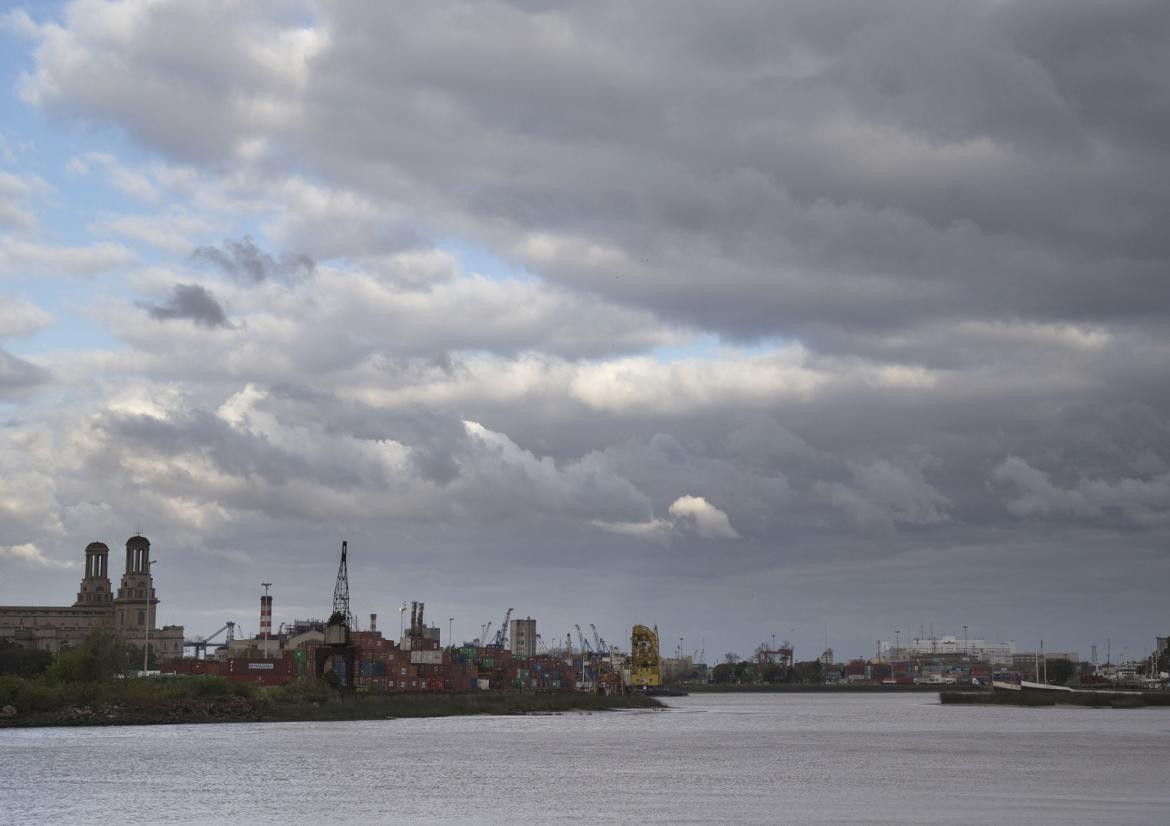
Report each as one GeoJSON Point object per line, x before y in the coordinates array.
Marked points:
{"type": "Point", "coordinates": [806, 672]}
{"type": "Point", "coordinates": [22, 662]}
{"type": "Point", "coordinates": [745, 672]}
{"type": "Point", "coordinates": [1060, 671]}
{"type": "Point", "coordinates": [101, 657]}
{"type": "Point", "coordinates": [731, 658]}
{"type": "Point", "coordinates": [773, 673]}
{"type": "Point", "coordinates": [722, 673]}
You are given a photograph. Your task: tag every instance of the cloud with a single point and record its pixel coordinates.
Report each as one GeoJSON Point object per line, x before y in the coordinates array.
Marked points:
{"type": "Point", "coordinates": [19, 257]}
{"type": "Point", "coordinates": [247, 263]}
{"type": "Point", "coordinates": [125, 179]}
{"type": "Point", "coordinates": [687, 515]}
{"type": "Point", "coordinates": [875, 151]}
{"type": "Point", "coordinates": [192, 302]}
{"type": "Point", "coordinates": [14, 191]}
{"type": "Point", "coordinates": [824, 266]}
{"type": "Point", "coordinates": [883, 494]}
{"type": "Point", "coordinates": [30, 554]}
{"type": "Point", "coordinates": [19, 317]}
{"type": "Point", "coordinates": [1143, 501]}
{"type": "Point", "coordinates": [18, 376]}
{"type": "Point", "coordinates": [708, 521]}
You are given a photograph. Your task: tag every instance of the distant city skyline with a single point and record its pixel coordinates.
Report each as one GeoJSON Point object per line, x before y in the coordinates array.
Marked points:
{"type": "Point", "coordinates": [800, 319]}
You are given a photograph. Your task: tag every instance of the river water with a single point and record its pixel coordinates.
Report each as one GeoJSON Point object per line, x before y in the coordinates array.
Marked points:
{"type": "Point", "coordinates": [786, 758]}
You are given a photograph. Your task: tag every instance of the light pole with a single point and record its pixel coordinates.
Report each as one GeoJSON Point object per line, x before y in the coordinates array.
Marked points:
{"type": "Point", "coordinates": [146, 618]}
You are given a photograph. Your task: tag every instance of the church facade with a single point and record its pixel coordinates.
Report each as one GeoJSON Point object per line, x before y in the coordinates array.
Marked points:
{"type": "Point", "coordinates": [128, 612]}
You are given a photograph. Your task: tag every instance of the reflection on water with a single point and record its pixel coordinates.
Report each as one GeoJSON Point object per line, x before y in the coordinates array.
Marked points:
{"type": "Point", "coordinates": [795, 758]}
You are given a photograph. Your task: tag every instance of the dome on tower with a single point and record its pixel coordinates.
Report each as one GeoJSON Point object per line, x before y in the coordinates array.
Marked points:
{"type": "Point", "coordinates": [95, 547]}
{"type": "Point", "coordinates": [137, 541]}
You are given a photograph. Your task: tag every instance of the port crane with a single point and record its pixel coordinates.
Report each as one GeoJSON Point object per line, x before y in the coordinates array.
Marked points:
{"type": "Point", "coordinates": [501, 639]}
{"type": "Point", "coordinates": [200, 646]}
{"type": "Point", "coordinates": [598, 641]}
{"type": "Point", "coordinates": [581, 639]}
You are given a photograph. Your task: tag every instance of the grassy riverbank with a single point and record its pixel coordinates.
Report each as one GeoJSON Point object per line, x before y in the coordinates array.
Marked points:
{"type": "Point", "coordinates": [25, 702]}
{"type": "Point", "coordinates": [1091, 699]}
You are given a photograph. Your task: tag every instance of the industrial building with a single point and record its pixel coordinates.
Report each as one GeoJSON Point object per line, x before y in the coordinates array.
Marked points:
{"type": "Point", "coordinates": [523, 637]}
{"type": "Point", "coordinates": [995, 653]}
{"type": "Point", "coordinates": [128, 612]}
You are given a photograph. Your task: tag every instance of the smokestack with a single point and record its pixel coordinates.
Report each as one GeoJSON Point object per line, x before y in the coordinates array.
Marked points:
{"type": "Point", "coordinates": [373, 622]}
{"type": "Point", "coordinates": [265, 614]}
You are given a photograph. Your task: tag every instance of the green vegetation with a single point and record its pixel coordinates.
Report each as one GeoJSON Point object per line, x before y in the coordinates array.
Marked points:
{"type": "Point", "coordinates": [22, 662]}
{"type": "Point", "coordinates": [1092, 699]}
{"type": "Point", "coordinates": [746, 672]}
{"type": "Point", "coordinates": [1060, 671]}
{"type": "Point", "coordinates": [88, 687]}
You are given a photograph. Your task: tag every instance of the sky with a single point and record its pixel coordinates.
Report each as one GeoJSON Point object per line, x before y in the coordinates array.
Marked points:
{"type": "Point", "coordinates": [817, 320]}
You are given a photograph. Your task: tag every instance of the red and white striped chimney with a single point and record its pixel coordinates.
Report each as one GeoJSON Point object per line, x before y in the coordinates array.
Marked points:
{"type": "Point", "coordinates": [266, 614]}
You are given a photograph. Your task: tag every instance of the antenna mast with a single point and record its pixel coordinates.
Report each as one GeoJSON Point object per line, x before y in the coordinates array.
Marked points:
{"type": "Point", "coordinates": [341, 592]}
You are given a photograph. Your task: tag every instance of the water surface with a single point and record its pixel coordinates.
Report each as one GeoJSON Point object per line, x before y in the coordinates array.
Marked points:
{"type": "Point", "coordinates": [795, 758]}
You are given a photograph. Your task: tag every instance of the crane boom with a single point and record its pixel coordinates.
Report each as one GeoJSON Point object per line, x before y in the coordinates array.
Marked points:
{"type": "Point", "coordinates": [501, 640]}
{"type": "Point", "coordinates": [200, 646]}
{"type": "Point", "coordinates": [581, 639]}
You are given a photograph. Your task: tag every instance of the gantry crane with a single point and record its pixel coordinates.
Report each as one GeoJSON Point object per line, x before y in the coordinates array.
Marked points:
{"type": "Point", "coordinates": [200, 646]}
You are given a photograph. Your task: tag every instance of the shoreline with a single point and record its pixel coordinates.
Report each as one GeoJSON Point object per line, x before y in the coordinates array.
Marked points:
{"type": "Point", "coordinates": [271, 707]}
{"type": "Point", "coordinates": [1047, 699]}
{"type": "Point", "coordinates": [814, 688]}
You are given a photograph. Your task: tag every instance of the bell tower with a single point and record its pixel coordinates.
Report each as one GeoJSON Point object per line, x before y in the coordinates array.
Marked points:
{"type": "Point", "coordinates": [95, 588]}
{"type": "Point", "coordinates": [136, 601]}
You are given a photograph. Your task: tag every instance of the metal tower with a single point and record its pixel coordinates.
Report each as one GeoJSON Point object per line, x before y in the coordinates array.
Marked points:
{"type": "Point", "coordinates": [341, 593]}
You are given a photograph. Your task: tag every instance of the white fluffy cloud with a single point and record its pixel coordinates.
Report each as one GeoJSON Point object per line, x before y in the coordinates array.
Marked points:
{"type": "Point", "coordinates": [687, 515]}
{"type": "Point", "coordinates": [30, 554]}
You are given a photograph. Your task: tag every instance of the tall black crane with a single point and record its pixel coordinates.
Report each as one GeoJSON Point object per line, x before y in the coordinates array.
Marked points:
{"type": "Point", "coordinates": [341, 593]}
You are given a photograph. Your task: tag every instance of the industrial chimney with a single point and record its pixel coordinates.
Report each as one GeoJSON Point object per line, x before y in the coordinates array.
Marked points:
{"type": "Point", "coordinates": [266, 611]}
{"type": "Point", "coordinates": [373, 622]}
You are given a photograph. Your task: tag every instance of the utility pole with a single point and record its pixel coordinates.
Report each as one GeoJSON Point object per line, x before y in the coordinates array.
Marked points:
{"type": "Point", "coordinates": [146, 618]}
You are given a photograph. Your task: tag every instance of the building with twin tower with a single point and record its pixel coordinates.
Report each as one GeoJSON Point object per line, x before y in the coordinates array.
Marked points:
{"type": "Point", "coordinates": [128, 612]}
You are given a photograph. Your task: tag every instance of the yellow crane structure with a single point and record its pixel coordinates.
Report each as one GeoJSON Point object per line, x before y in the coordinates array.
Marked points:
{"type": "Point", "coordinates": [645, 665]}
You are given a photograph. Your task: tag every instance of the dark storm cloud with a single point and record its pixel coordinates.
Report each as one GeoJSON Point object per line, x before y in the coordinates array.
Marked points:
{"type": "Point", "coordinates": [192, 302]}
{"type": "Point", "coordinates": [780, 168]}
{"type": "Point", "coordinates": [843, 171]}
{"type": "Point", "coordinates": [247, 263]}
